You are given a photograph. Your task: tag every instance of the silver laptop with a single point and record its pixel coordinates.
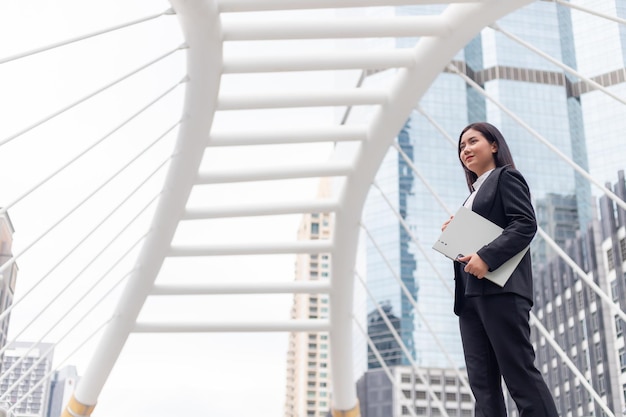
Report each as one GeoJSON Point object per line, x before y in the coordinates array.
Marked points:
{"type": "Point", "coordinates": [466, 234]}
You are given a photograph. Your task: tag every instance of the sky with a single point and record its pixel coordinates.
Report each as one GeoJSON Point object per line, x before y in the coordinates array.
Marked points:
{"type": "Point", "coordinates": [155, 375]}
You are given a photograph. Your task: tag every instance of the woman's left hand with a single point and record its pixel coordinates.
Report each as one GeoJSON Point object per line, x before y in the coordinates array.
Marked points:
{"type": "Point", "coordinates": [474, 265]}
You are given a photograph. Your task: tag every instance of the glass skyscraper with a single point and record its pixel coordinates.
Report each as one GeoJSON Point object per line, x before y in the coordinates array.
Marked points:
{"type": "Point", "coordinates": [536, 91]}
{"type": "Point", "coordinates": [601, 55]}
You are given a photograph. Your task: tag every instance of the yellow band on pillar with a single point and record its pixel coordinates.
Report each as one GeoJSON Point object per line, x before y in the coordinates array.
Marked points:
{"type": "Point", "coordinates": [75, 408]}
{"type": "Point", "coordinates": [353, 412]}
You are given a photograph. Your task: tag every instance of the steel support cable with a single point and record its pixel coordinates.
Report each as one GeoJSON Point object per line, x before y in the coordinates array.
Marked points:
{"type": "Point", "coordinates": [85, 151]}
{"type": "Point", "coordinates": [12, 260]}
{"type": "Point", "coordinates": [589, 11]}
{"type": "Point", "coordinates": [140, 185]}
{"type": "Point", "coordinates": [93, 145]}
{"type": "Point", "coordinates": [419, 175]}
{"type": "Point", "coordinates": [396, 336]}
{"type": "Point", "coordinates": [415, 305]}
{"type": "Point", "coordinates": [558, 63]}
{"type": "Point", "coordinates": [541, 139]}
{"type": "Point", "coordinates": [381, 361]}
{"type": "Point", "coordinates": [69, 331]}
{"type": "Point", "coordinates": [83, 37]}
{"type": "Point", "coordinates": [78, 275]}
{"type": "Point", "coordinates": [436, 125]}
{"type": "Point", "coordinates": [563, 355]}
{"type": "Point", "coordinates": [46, 377]}
{"type": "Point", "coordinates": [414, 239]}
{"type": "Point", "coordinates": [88, 96]}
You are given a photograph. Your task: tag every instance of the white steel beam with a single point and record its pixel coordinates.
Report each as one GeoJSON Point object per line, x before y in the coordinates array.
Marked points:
{"type": "Point", "coordinates": [326, 169]}
{"type": "Point", "coordinates": [305, 134]}
{"type": "Point", "coordinates": [318, 325]}
{"type": "Point", "coordinates": [321, 61]}
{"type": "Point", "coordinates": [262, 209]}
{"type": "Point", "coordinates": [338, 28]}
{"type": "Point", "coordinates": [201, 28]}
{"type": "Point", "coordinates": [315, 98]}
{"type": "Point", "coordinates": [291, 287]}
{"type": "Point", "coordinates": [266, 248]}
{"type": "Point", "coordinates": [229, 6]}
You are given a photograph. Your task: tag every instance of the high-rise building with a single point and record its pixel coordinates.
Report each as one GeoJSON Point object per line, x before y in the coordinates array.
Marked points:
{"type": "Point", "coordinates": [413, 389]}
{"type": "Point", "coordinates": [25, 383]}
{"type": "Point", "coordinates": [308, 361]}
{"type": "Point", "coordinates": [600, 53]}
{"type": "Point", "coordinates": [8, 277]}
{"type": "Point", "coordinates": [62, 385]}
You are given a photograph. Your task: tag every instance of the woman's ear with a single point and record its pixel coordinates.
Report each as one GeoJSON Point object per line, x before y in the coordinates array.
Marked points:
{"type": "Point", "coordinates": [494, 147]}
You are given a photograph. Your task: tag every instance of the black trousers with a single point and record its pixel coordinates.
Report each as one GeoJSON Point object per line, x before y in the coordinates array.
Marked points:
{"type": "Point", "coordinates": [496, 342]}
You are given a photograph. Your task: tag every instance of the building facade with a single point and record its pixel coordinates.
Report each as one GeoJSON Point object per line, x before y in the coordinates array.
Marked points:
{"type": "Point", "coordinates": [308, 362]}
{"type": "Point", "coordinates": [26, 385]}
{"type": "Point", "coordinates": [8, 277]}
{"type": "Point", "coordinates": [62, 385]}
{"type": "Point", "coordinates": [380, 396]}
{"type": "Point", "coordinates": [583, 324]}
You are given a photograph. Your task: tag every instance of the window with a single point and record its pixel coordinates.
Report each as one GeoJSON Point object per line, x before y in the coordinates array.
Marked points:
{"type": "Point", "coordinates": [601, 385]}
{"type": "Point", "coordinates": [594, 321]}
{"type": "Point", "coordinates": [315, 228]}
{"type": "Point", "coordinates": [614, 291]}
{"type": "Point", "coordinates": [622, 358]}
{"type": "Point", "coordinates": [609, 258]}
{"type": "Point", "coordinates": [598, 350]}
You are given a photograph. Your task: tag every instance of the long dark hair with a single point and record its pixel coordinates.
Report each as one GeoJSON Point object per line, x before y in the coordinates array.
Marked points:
{"type": "Point", "coordinates": [502, 156]}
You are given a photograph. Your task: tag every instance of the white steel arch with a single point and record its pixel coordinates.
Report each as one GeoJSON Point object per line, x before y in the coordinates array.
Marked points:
{"type": "Point", "coordinates": [441, 37]}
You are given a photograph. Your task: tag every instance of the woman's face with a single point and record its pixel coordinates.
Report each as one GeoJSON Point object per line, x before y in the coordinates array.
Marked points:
{"type": "Point", "coordinates": [476, 153]}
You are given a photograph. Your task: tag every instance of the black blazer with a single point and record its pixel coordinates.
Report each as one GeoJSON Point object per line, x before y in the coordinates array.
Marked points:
{"type": "Point", "coordinates": [504, 198]}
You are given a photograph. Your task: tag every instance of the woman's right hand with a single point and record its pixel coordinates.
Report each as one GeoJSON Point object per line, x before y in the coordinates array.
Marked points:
{"type": "Point", "coordinates": [446, 223]}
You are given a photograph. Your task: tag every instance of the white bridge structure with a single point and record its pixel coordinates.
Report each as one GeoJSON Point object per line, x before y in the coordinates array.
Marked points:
{"type": "Point", "coordinates": [149, 157]}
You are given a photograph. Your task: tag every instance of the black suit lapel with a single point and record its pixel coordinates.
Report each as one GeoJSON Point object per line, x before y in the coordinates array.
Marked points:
{"type": "Point", "coordinates": [485, 197]}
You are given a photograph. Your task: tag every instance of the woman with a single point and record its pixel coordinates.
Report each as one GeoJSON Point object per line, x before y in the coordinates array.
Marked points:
{"type": "Point", "coordinates": [493, 319]}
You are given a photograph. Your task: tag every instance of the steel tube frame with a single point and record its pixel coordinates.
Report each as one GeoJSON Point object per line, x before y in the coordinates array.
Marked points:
{"type": "Point", "coordinates": [201, 28]}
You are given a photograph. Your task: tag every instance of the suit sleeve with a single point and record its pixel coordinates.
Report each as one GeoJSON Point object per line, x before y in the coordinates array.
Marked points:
{"type": "Point", "coordinates": [521, 224]}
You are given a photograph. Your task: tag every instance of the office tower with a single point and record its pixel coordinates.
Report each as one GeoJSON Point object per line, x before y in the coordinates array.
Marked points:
{"type": "Point", "coordinates": [581, 322]}
{"type": "Point", "coordinates": [8, 276]}
{"type": "Point", "coordinates": [62, 385]}
{"type": "Point", "coordinates": [27, 367]}
{"type": "Point", "coordinates": [600, 47]}
{"type": "Point", "coordinates": [308, 362]}
{"type": "Point", "coordinates": [383, 340]}
{"type": "Point", "coordinates": [381, 397]}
